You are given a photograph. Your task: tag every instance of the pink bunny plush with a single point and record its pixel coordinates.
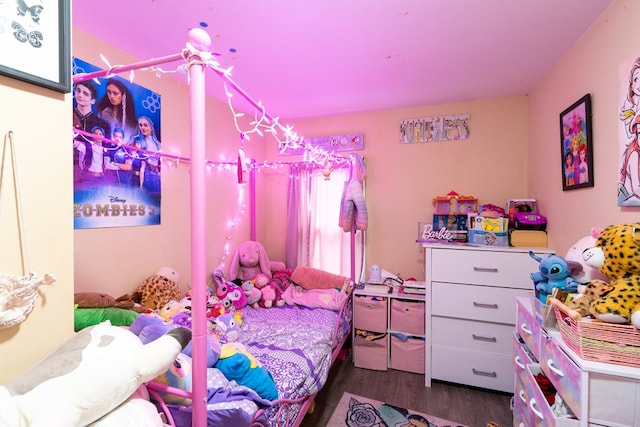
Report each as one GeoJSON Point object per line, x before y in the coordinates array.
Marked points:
{"type": "Point", "coordinates": [249, 259]}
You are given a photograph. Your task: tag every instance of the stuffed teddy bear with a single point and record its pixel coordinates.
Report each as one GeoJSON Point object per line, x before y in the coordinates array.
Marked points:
{"type": "Point", "coordinates": [249, 259]}
{"type": "Point", "coordinates": [617, 255]}
{"type": "Point", "coordinates": [87, 376]}
{"type": "Point", "coordinates": [159, 289]}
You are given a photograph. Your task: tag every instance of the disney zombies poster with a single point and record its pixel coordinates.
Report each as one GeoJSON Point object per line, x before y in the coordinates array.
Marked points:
{"type": "Point", "coordinates": [116, 162]}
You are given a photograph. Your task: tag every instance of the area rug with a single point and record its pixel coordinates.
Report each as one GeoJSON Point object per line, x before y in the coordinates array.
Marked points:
{"type": "Point", "coordinates": [358, 411]}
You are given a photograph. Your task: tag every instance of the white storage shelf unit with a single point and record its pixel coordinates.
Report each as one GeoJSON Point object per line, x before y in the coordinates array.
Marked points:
{"type": "Point", "coordinates": [401, 318]}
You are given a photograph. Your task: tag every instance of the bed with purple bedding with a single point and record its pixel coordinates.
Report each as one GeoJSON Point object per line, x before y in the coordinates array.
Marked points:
{"type": "Point", "coordinates": [296, 344]}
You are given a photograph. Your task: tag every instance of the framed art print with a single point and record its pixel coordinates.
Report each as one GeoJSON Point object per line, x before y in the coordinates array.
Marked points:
{"type": "Point", "coordinates": [35, 42]}
{"type": "Point", "coordinates": [576, 145]}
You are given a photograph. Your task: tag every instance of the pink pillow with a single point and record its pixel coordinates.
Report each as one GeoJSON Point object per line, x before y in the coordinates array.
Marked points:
{"type": "Point", "coordinates": [312, 278]}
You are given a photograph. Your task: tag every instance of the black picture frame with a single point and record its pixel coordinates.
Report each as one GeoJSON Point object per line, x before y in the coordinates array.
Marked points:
{"type": "Point", "coordinates": [36, 44]}
{"type": "Point", "coordinates": [576, 145]}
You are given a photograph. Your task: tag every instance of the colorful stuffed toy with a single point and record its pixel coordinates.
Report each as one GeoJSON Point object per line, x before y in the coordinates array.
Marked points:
{"type": "Point", "coordinates": [237, 364]}
{"type": "Point", "coordinates": [228, 293]}
{"type": "Point", "coordinates": [555, 272]}
{"type": "Point", "coordinates": [159, 289]}
{"type": "Point", "coordinates": [271, 294]}
{"type": "Point", "coordinates": [249, 259]}
{"type": "Point", "coordinates": [590, 292]}
{"type": "Point", "coordinates": [250, 290]}
{"type": "Point", "coordinates": [617, 255]}
{"type": "Point", "coordinates": [227, 326]}
{"type": "Point", "coordinates": [87, 377]}
{"type": "Point", "coordinates": [574, 254]}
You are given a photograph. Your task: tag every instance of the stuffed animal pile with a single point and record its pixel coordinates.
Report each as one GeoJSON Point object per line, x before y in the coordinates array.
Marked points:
{"type": "Point", "coordinates": [157, 290]}
{"type": "Point", "coordinates": [617, 255]}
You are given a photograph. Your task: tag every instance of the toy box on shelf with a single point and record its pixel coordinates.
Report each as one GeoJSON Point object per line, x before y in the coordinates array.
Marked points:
{"type": "Point", "coordinates": [488, 227]}
{"type": "Point", "coordinates": [451, 214]}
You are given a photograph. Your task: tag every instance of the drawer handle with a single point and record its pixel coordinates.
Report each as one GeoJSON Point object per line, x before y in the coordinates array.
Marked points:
{"type": "Point", "coordinates": [481, 338]}
{"type": "Point", "coordinates": [523, 396]}
{"type": "Point", "coordinates": [534, 407]}
{"type": "Point", "coordinates": [484, 305]}
{"type": "Point", "coordinates": [485, 269]}
{"type": "Point", "coordinates": [555, 370]}
{"type": "Point", "coordinates": [484, 373]}
{"type": "Point", "coordinates": [518, 362]}
{"type": "Point", "coordinates": [525, 329]}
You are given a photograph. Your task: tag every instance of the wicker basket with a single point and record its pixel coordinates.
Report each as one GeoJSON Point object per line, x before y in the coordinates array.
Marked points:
{"type": "Point", "coordinates": [598, 341]}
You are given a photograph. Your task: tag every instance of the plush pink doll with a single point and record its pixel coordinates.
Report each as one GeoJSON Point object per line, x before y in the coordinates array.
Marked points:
{"type": "Point", "coordinates": [271, 293]}
{"type": "Point", "coordinates": [249, 259]}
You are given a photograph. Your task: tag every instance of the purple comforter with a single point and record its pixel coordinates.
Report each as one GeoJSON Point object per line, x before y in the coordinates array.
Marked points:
{"type": "Point", "coordinates": [294, 343]}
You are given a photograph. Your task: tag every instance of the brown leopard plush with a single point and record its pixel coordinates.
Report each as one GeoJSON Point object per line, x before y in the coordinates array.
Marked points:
{"type": "Point", "coordinates": [592, 290]}
{"type": "Point", "coordinates": [617, 255]}
{"type": "Point", "coordinates": [159, 289]}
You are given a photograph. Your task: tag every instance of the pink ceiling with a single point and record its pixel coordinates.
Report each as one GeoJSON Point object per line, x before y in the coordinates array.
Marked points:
{"type": "Point", "coordinates": [319, 57]}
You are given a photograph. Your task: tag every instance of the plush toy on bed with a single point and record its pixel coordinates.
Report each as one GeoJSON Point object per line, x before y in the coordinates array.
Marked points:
{"type": "Point", "coordinates": [251, 291]}
{"type": "Point", "coordinates": [617, 255]}
{"type": "Point", "coordinates": [270, 294]}
{"type": "Point", "coordinates": [228, 293]}
{"type": "Point", "coordinates": [159, 289]}
{"type": "Point", "coordinates": [87, 377]}
{"type": "Point", "coordinates": [249, 259]}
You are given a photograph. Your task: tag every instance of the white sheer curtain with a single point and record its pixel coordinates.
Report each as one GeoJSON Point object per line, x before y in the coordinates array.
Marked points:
{"type": "Point", "coordinates": [313, 223]}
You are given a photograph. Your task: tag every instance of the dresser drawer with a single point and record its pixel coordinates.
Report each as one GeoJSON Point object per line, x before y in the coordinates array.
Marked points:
{"type": "Point", "coordinates": [477, 369]}
{"type": "Point", "coordinates": [527, 326]}
{"type": "Point", "coordinates": [370, 313]}
{"type": "Point", "coordinates": [483, 267]}
{"type": "Point", "coordinates": [475, 302]}
{"type": "Point", "coordinates": [539, 410]}
{"type": "Point", "coordinates": [521, 357]}
{"type": "Point", "coordinates": [562, 371]}
{"type": "Point", "coordinates": [472, 336]}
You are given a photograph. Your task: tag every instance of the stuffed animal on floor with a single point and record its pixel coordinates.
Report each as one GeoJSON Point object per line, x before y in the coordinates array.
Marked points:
{"type": "Point", "coordinates": [249, 259]}
{"type": "Point", "coordinates": [159, 289]}
{"type": "Point", "coordinates": [87, 376]}
{"type": "Point", "coordinates": [617, 255]}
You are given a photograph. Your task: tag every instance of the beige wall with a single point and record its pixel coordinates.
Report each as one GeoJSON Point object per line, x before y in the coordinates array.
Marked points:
{"type": "Point", "coordinates": [513, 151]}
{"type": "Point", "coordinates": [39, 119]}
{"type": "Point", "coordinates": [591, 66]}
{"type": "Point", "coordinates": [402, 179]}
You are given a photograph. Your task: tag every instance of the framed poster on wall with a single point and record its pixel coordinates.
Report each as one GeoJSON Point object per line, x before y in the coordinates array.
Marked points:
{"type": "Point", "coordinates": [576, 145]}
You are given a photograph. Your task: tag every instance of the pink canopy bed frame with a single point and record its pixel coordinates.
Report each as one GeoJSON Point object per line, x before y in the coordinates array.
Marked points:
{"type": "Point", "coordinates": [195, 54]}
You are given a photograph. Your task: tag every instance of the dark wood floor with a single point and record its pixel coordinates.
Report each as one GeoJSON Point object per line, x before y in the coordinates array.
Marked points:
{"type": "Point", "coordinates": [465, 405]}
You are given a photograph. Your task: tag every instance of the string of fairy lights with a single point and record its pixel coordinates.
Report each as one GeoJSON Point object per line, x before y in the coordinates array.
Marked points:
{"type": "Point", "coordinates": [262, 124]}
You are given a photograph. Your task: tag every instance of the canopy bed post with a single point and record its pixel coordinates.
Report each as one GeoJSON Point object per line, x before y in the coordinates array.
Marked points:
{"type": "Point", "coordinates": [252, 183]}
{"type": "Point", "coordinates": [202, 42]}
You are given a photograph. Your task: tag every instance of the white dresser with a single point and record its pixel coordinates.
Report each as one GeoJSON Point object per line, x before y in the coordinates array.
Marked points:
{"type": "Point", "coordinates": [470, 312]}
